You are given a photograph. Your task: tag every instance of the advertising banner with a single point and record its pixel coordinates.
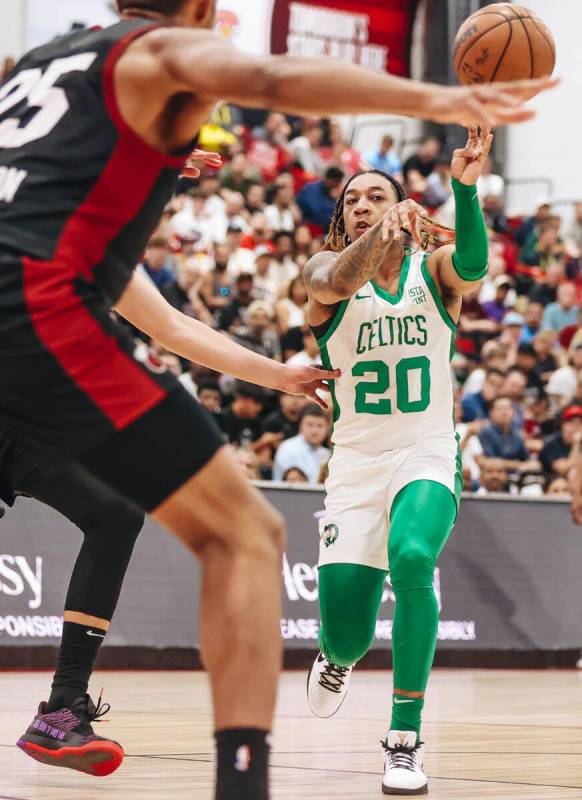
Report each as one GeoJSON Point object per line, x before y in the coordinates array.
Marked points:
{"type": "Point", "coordinates": [375, 33]}
{"type": "Point", "coordinates": [509, 579]}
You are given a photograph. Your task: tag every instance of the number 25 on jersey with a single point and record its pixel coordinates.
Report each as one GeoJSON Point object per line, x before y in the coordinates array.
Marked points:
{"type": "Point", "coordinates": [38, 89]}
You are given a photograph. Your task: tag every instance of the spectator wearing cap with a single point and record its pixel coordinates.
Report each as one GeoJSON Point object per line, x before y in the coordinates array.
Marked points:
{"type": "Point", "coordinates": [561, 451]}
{"type": "Point", "coordinates": [512, 325]}
{"type": "Point", "coordinates": [317, 200]}
{"type": "Point", "coordinates": [283, 214]}
{"type": "Point", "coordinates": [241, 258]}
{"type": "Point", "coordinates": [476, 406]}
{"type": "Point", "coordinates": [258, 334]}
{"type": "Point", "coordinates": [384, 157]}
{"type": "Point", "coordinates": [560, 388]}
{"type": "Point", "coordinates": [266, 279]}
{"type": "Point", "coordinates": [496, 309]}
{"type": "Point", "coordinates": [239, 175]}
{"type": "Point", "coordinates": [501, 440]}
{"type": "Point", "coordinates": [310, 355]}
{"type": "Point", "coordinates": [240, 422]}
{"type": "Point", "coordinates": [532, 322]}
{"type": "Point", "coordinates": [306, 451]}
{"type": "Point", "coordinates": [547, 291]}
{"type": "Point", "coordinates": [564, 311]}
{"type": "Point", "coordinates": [563, 381]}
{"type": "Point", "coordinates": [236, 311]}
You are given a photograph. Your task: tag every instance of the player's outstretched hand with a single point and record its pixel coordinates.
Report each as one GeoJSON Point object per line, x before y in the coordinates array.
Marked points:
{"type": "Point", "coordinates": [403, 217]}
{"type": "Point", "coordinates": [488, 104]}
{"type": "Point", "coordinates": [468, 161]}
{"type": "Point", "coordinates": [307, 380]}
{"type": "Point", "coordinates": [200, 157]}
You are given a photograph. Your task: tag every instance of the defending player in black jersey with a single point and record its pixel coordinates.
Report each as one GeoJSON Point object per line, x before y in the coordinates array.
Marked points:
{"type": "Point", "coordinates": [94, 129]}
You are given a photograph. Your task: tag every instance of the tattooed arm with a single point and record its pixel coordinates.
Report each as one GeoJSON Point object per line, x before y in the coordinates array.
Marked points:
{"type": "Point", "coordinates": [331, 277]}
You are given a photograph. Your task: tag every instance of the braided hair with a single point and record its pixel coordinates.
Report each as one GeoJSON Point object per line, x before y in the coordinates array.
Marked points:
{"type": "Point", "coordinates": [434, 233]}
{"type": "Point", "coordinates": [337, 238]}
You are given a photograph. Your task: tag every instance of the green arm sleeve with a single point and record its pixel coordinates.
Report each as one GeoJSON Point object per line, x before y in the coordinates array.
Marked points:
{"type": "Point", "coordinates": [472, 243]}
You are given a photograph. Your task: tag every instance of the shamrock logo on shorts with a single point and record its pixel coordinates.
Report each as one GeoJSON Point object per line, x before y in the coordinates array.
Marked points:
{"type": "Point", "coordinates": [330, 534]}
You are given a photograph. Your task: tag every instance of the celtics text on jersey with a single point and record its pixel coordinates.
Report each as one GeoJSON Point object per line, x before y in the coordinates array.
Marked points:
{"type": "Point", "coordinates": [394, 355]}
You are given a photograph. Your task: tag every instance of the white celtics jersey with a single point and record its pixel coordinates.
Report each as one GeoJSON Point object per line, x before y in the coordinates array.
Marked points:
{"type": "Point", "coordinates": [394, 354]}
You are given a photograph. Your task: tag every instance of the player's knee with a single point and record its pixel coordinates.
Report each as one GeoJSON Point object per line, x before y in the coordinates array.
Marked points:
{"type": "Point", "coordinates": [411, 567]}
{"type": "Point", "coordinates": [268, 536]}
{"type": "Point", "coordinates": [345, 650]}
{"type": "Point", "coordinates": [117, 518]}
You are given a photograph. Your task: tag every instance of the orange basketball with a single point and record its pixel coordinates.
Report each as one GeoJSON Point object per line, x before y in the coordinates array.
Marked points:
{"type": "Point", "coordinates": [503, 42]}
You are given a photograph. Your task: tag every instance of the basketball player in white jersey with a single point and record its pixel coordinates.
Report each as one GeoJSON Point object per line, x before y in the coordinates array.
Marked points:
{"type": "Point", "coordinates": [387, 319]}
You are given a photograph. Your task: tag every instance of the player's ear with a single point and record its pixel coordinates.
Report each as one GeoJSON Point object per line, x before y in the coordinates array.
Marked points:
{"type": "Point", "coordinates": [204, 12]}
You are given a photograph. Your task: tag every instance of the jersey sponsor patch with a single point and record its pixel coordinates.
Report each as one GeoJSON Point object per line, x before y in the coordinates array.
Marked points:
{"type": "Point", "coordinates": [417, 295]}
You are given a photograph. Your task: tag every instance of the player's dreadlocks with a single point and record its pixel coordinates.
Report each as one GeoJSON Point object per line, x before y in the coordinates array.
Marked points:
{"type": "Point", "coordinates": [337, 238]}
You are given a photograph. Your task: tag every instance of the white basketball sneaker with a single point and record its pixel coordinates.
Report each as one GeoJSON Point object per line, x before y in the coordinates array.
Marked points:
{"type": "Point", "coordinates": [403, 773]}
{"type": "Point", "coordinates": [327, 686]}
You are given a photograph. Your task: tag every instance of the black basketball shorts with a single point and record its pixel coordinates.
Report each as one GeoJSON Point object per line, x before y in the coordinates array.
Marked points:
{"type": "Point", "coordinates": [76, 386]}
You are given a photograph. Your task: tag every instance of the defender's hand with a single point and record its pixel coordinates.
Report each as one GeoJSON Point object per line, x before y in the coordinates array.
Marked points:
{"type": "Point", "coordinates": [405, 215]}
{"type": "Point", "coordinates": [468, 162]}
{"type": "Point", "coordinates": [191, 170]}
{"type": "Point", "coordinates": [307, 380]}
{"type": "Point", "coordinates": [488, 105]}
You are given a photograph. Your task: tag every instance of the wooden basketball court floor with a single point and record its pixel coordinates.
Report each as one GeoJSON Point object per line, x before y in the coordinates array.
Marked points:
{"type": "Point", "coordinates": [490, 734]}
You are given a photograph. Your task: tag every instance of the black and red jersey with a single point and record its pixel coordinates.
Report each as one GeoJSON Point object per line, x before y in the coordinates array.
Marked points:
{"type": "Point", "coordinates": [77, 186]}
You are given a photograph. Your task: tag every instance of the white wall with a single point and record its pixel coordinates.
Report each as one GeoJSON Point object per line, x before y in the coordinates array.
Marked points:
{"type": "Point", "coordinates": [12, 34]}
{"type": "Point", "coordinates": [551, 144]}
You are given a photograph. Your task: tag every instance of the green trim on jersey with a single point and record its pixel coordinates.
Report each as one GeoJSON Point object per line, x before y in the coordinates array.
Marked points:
{"type": "Point", "coordinates": [436, 296]}
{"type": "Point", "coordinates": [339, 315]}
{"type": "Point", "coordinates": [394, 298]}
{"type": "Point", "coordinates": [326, 363]}
{"type": "Point", "coordinates": [459, 483]}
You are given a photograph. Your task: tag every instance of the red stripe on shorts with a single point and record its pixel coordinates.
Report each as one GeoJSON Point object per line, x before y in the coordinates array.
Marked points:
{"type": "Point", "coordinates": [92, 358]}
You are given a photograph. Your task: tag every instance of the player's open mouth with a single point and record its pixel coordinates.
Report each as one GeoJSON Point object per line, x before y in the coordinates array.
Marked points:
{"type": "Point", "coordinates": [362, 225]}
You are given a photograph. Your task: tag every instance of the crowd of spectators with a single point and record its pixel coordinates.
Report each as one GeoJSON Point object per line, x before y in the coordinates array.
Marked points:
{"type": "Point", "coordinates": [230, 251]}
{"type": "Point", "coordinates": [231, 248]}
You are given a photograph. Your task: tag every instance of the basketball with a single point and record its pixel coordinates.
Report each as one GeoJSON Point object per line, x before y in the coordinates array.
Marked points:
{"type": "Point", "coordinates": [503, 42]}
